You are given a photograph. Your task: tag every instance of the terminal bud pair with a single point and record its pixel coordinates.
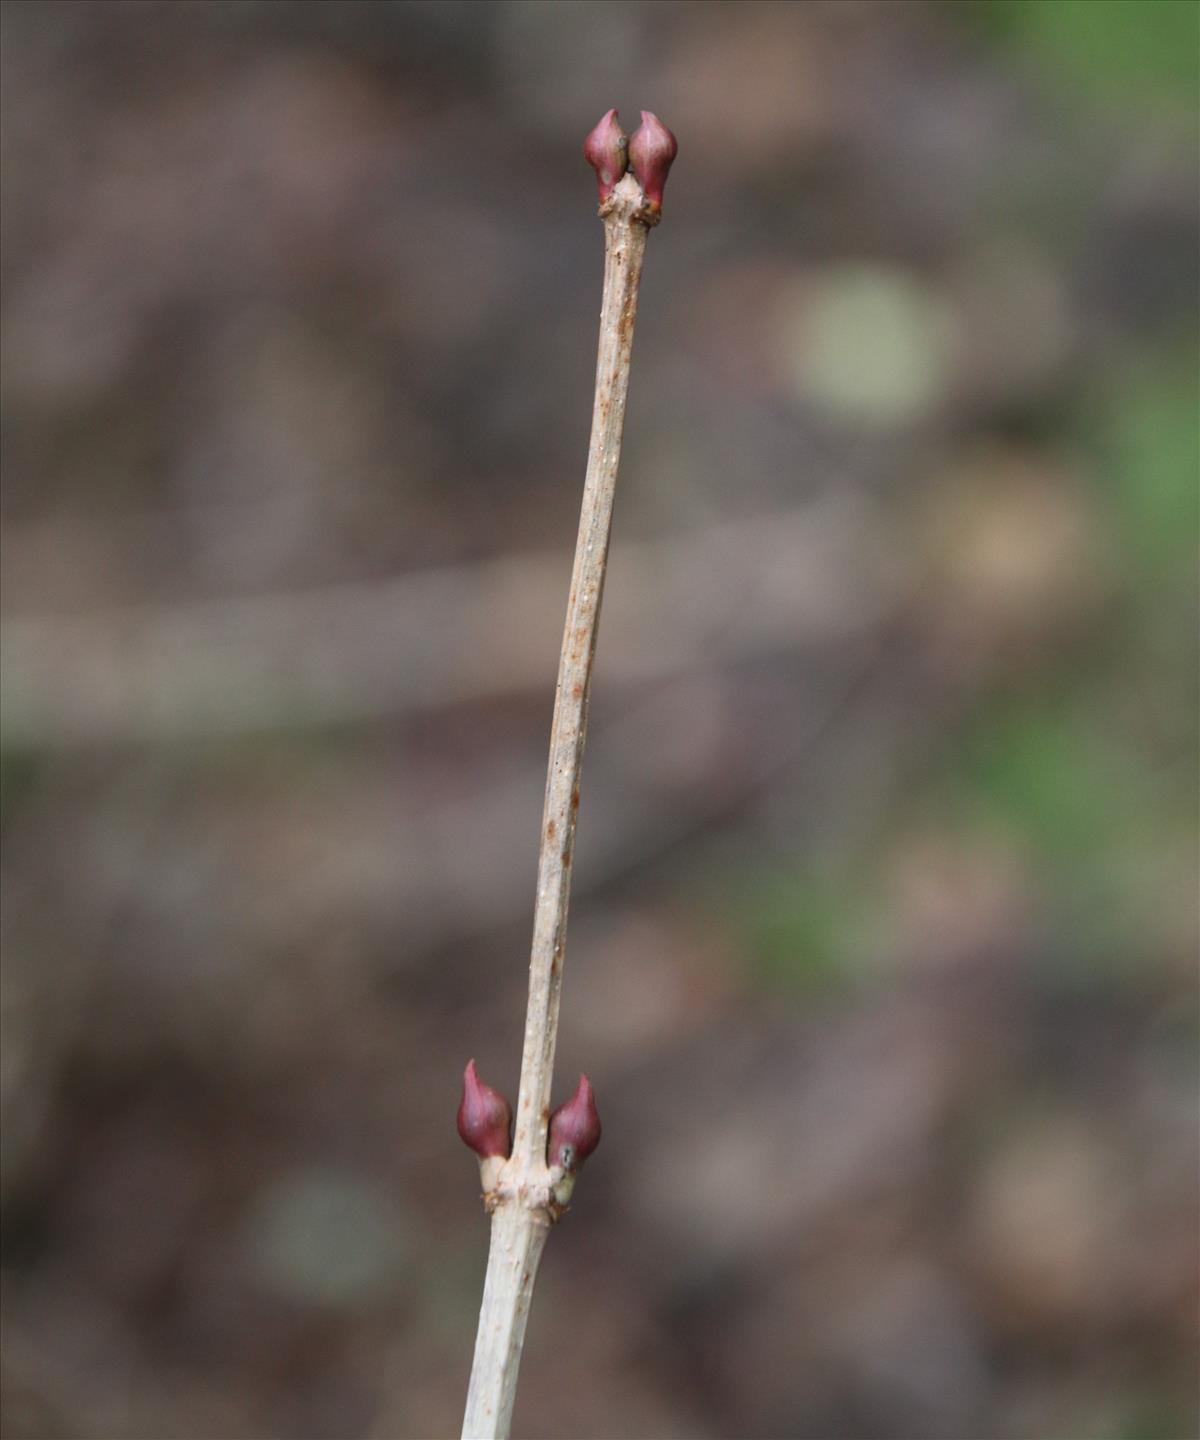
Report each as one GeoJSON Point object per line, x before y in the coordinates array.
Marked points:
{"type": "Point", "coordinates": [650, 151]}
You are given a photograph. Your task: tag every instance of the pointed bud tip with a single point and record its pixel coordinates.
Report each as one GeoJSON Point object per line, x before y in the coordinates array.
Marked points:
{"type": "Point", "coordinates": [652, 148]}
{"type": "Point", "coordinates": [574, 1128]}
{"type": "Point", "coordinates": [484, 1117]}
{"type": "Point", "coordinates": [606, 150]}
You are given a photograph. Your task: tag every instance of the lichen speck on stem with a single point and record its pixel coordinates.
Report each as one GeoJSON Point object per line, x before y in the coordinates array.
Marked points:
{"type": "Point", "coordinates": [528, 1180]}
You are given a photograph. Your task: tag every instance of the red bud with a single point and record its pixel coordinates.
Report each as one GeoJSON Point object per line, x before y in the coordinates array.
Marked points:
{"type": "Point", "coordinates": [574, 1128]}
{"type": "Point", "coordinates": [484, 1117]}
{"type": "Point", "coordinates": [606, 151]}
{"type": "Point", "coordinates": [652, 147]}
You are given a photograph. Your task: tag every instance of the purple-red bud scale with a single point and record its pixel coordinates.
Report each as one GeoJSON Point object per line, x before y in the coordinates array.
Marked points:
{"type": "Point", "coordinates": [652, 148]}
{"type": "Point", "coordinates": [574, 1129]}
{"type": "Point", "coordinates": [606, 150]}
{"type": "Point", "coordinates": [484, 1117]}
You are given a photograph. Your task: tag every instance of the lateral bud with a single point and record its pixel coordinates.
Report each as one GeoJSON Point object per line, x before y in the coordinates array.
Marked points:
{"type": "Point", "coordinates": [484, 1118]}
{"type": "Point", "coordinates": [606, 150]}
{"type": "Point", "coordinates": [574, 1129]}
{"type": "Point", "coordinates": [652, 148]}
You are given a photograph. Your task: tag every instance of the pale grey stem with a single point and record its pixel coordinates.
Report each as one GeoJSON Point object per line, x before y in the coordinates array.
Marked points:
{"type": "Point", "coordinates": [518, 1238]}
{"type": "Point", "coordinates": [625, 247]}
{"type": "Point", "coordinates": [524, 1193]}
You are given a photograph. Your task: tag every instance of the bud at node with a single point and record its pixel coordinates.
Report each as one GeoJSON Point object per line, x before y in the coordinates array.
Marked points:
{"type": "Point", "coordinates": [606, 150]}
{"type": "Point", "coordinates": [574, 1129]}
{"type": "Point", "coordinates": [652, 148]}
{"type": "Point", "coordinates": [484, 1117]}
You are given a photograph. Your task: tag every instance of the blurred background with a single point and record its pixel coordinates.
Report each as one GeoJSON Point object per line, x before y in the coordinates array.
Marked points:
{"type": "Point", "coordinates": [883, 950]}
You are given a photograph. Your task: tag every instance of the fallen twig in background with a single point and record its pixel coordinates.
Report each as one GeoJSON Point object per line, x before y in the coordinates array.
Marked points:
{"type": "Point", "coordinates": [780, 582]}
{"type": "Point", "coordinates": [528, 1180]}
